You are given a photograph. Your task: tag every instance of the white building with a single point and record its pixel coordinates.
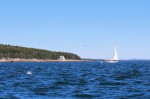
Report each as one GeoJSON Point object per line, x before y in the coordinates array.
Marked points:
{"type": "Point", "coordinates": [62, 58]}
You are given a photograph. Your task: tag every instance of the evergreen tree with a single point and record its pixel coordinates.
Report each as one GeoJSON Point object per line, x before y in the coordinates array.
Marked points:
{"type": "Point", "coordinates": [8, 51]}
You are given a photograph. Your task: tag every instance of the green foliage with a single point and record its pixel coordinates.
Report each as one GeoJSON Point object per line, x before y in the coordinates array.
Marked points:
{"type": "Point", "coordinates": [8, 51]}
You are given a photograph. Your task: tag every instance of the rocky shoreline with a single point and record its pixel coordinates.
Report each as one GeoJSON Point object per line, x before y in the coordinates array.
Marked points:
{"type": "Point", "coordinates": [37, 60]}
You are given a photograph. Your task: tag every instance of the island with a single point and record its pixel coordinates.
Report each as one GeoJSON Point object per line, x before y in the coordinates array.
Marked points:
{"type": "Point", "coordinates": [9, 53]}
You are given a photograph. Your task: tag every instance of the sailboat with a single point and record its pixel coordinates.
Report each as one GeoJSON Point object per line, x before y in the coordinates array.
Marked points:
{"type": "Point", "coordinates": [115, 58]}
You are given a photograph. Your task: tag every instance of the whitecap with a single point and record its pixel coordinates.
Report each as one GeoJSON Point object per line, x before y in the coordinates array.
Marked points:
{"type": "Point", "coordinates": [29, 72]}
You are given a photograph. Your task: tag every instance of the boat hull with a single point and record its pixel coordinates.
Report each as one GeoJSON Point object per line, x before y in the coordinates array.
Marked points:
{"type": "Point", "coordinates": [111, 61]}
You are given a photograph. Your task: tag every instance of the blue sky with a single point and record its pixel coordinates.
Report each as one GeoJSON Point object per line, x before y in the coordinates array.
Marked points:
{"type": "Point", "coordinates": [88, 28]}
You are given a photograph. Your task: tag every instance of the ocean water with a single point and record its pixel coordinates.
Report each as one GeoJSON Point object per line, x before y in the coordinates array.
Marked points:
{"type": "Point", "coordinates": [75, 80]}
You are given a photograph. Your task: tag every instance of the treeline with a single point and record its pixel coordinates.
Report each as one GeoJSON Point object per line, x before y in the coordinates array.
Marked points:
{"type": "Point", "coordinates": [8, 51]}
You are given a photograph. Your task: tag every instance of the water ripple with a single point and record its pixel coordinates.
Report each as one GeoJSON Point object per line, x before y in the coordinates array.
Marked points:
{"type": "Point", "coordinates": [75, 80]}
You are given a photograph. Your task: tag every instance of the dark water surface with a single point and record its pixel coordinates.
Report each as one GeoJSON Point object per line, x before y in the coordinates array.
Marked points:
{"type": "Point", "coordinates": [75, 80]}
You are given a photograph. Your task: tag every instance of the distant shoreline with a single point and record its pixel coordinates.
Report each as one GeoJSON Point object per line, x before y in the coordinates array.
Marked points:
{"type": "Point", "coordinates": [38, 60]}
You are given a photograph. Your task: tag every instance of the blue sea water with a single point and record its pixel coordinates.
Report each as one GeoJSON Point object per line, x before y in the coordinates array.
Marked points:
{"type": "Point", "coordinates": [75, 80]}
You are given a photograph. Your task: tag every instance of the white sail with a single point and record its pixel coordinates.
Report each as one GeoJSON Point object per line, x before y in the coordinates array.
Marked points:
{"type": "Point", "coordinates": [115, 58]}
{"type": "Point", "coordinates": [115, 54]}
